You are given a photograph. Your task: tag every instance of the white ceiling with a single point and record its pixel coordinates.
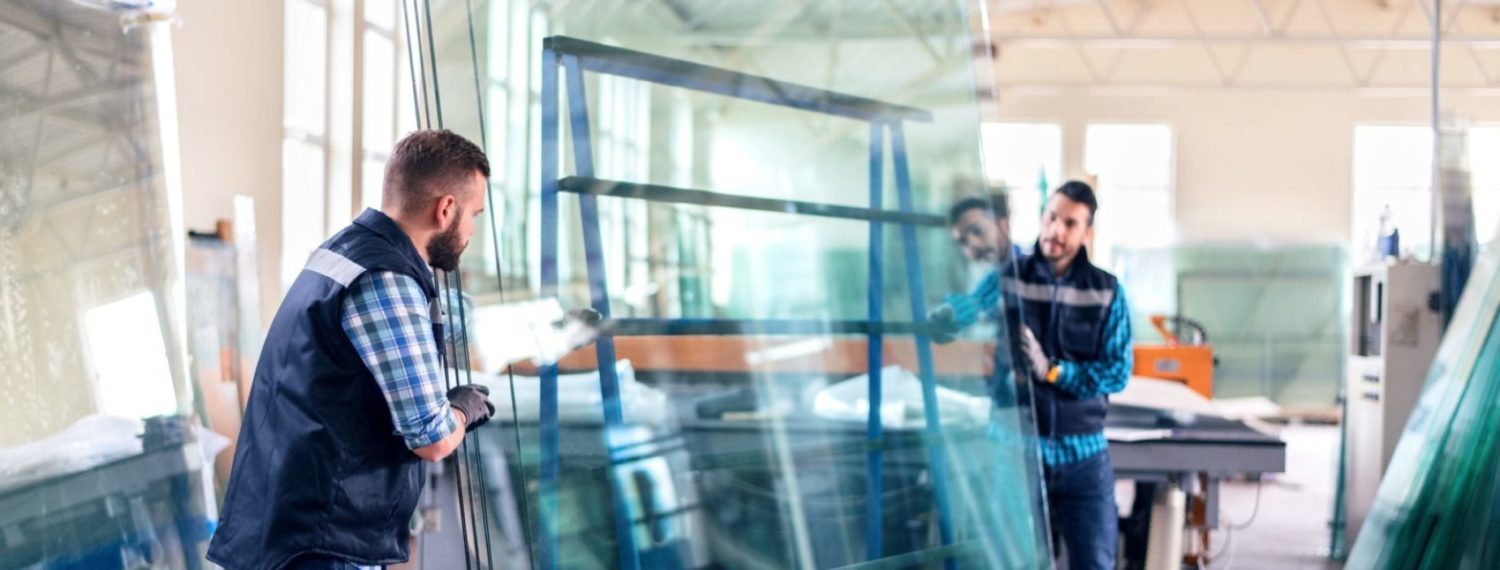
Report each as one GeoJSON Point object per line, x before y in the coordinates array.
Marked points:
{"type": "Point", "coordinates": [1264, 44]}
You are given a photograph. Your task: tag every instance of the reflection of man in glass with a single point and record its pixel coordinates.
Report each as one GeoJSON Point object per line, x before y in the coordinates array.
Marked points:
{"type": "Point", "coordinates": [348, 398]}
{"type": "Point", "coordinates": [981, 229]}
{"type": "Point", "coordinates": [1073, 341]}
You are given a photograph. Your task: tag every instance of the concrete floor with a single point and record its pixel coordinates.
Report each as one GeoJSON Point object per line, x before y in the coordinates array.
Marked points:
{"type": "Point", "coordinates": [1290, 530]}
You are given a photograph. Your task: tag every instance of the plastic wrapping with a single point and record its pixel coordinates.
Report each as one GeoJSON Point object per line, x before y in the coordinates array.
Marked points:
{"type": "Point", "coordinates": [538, 331]}
{"type": "Point", "coordinates": [578, 397]}
{"type": "Point", "coordinates": [902, 406]}
{"type": "Point", "coordinates": [91, 441]}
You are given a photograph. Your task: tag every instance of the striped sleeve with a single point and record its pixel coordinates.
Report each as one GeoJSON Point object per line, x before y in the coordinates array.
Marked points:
{"type": "Point", "coordinates": [1111, 371]}
{"type": "Point", "coordinates": [386, 316]}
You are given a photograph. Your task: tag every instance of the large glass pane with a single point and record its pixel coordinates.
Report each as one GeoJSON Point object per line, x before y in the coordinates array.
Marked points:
{"type": "Point", "coordinates": [99, 467]}
{"type": "Point", "coordinates": [748, 313]}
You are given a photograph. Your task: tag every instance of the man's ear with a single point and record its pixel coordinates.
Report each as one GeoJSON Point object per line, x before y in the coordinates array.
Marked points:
{"type": "Point", "coordinates": [445, 210]}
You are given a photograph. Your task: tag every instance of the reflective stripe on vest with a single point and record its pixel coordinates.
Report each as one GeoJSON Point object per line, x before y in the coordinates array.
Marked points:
{"type": "Point", "coordinates": [1066, 294]}
{"type": "Point", "coordinates": [334, 266]}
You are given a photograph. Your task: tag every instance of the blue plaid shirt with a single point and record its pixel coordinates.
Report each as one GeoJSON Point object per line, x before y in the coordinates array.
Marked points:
{"type": "Point", "coordinates": [386, 315]}
{"type": "Point", "coordinates": [1091, 379]}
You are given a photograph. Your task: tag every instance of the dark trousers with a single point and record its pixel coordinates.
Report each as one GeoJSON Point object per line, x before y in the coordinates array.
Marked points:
{"type": "Point", "coordinates": [321, 562]}
{"type": "Point", "coordinates": [1081, 502]}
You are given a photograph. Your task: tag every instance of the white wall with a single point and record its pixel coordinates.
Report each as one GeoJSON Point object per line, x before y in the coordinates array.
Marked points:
{"type": "Point", "coordinates": [229, 93]}
{"type": "Point", "coordinates": [1251, 164]}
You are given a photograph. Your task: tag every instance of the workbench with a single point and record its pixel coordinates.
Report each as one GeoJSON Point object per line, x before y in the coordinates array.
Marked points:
{"type": "Point", "coordinates": [1196, 456]}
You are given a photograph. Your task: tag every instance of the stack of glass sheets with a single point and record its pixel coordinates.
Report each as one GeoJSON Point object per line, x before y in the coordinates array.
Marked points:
{"type": "Point", "coordinates": [1437, 506]}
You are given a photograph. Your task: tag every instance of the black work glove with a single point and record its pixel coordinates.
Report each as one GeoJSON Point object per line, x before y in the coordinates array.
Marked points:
{"type": "Point", "coordinates": [943, 322]}
{"type": "Point", "coordinates": [586, 315]}
{"type": "Point", "coordinates": [474, 401]}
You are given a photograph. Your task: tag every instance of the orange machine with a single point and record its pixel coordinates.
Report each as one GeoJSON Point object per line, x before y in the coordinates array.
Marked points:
{"type": "Point", "coordinates": [1190, 363]}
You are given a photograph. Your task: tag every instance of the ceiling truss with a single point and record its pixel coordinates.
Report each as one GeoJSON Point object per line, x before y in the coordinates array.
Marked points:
{"type": "Point", "coordinates": [1133, 43]}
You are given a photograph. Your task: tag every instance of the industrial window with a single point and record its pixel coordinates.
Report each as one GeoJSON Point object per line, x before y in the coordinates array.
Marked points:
{"type": "Point", "coordinates": [129, 358]}
{"type": "Point", "coordinates": [332, 169]}
{"type": "Point", "coordinates": [304, 148]}
{"type": "Point", "coordinates": [624, 141]}
{"type": "Point", "coordinates": [1484, 145]}
{"type": "Point", "coordinates": [1392, 169]}
{"type": "Point", "coordinates": [1135, 171]}
{"type": "Point", "coordinates": [386, 108]}
{"type": "Point", "coordinates": [1025, 159]}
{"type": "Point", "coordinates": [532, 27]}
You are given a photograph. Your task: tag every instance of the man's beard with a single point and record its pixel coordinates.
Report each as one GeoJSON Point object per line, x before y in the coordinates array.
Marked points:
{"type": "Point", "coordinates": [987, 255]}
{"type": "Point", "coordinates": [443, 250]}
{"type": "Point", "coordinates": [1060, 253]}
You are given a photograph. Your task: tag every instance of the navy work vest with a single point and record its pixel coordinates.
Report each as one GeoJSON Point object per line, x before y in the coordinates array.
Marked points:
{"type": "Point", "coordinates": [320, 467]}
{"type": "Point", "coordinates": [1067, 315]}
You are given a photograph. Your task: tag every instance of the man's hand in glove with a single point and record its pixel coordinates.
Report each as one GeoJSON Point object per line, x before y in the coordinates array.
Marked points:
{"type": "Point", "coordinates": [1035, 357]}
{"type": "Point", "coordinates": [586, 316]}
{"type": "Point", "coordinates": [944, 324]}
{"type": "Point", "coordinates": [951, 316]}
{"type": "Point", "coordinates": [474, 401]}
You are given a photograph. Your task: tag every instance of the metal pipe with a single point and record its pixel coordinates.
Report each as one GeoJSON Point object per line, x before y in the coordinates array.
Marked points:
{"type": "Point", "coordinates": [1437, 169]}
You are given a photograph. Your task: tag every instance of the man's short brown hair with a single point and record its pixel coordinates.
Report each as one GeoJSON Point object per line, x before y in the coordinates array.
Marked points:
{"type": "Point", "coordinates": [996, 204]}
{"type": "Point", "coordinates": [428, 164]}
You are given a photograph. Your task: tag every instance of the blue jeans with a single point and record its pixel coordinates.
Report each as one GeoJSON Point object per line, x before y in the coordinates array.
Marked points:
{"type": "Point", "coordinates": [1081, 502]}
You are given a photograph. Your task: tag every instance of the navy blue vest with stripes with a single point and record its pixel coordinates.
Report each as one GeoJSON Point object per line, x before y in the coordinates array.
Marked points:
{"type": "Point", "coordinates": [319, 467]}
{"type": "Point", "coordinates": [1067, 314]}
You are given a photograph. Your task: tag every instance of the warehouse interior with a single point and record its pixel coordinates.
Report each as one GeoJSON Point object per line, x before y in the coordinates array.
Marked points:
{"type": "Point", "coordinates": [709, 292]}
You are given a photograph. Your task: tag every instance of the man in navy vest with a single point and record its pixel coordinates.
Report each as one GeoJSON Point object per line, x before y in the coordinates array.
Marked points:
{"type": "Point", "coordinates": [348, 398]}
{"type": "Point", "coordinates": [1073, 342]}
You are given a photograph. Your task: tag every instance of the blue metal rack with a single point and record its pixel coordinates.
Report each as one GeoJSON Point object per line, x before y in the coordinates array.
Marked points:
{"type": "Point", "coordinates": [574, 57]}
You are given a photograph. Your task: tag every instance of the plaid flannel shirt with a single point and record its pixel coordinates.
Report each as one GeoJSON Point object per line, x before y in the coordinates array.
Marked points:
{"type": "Point", "coordinates": [386, 315]}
